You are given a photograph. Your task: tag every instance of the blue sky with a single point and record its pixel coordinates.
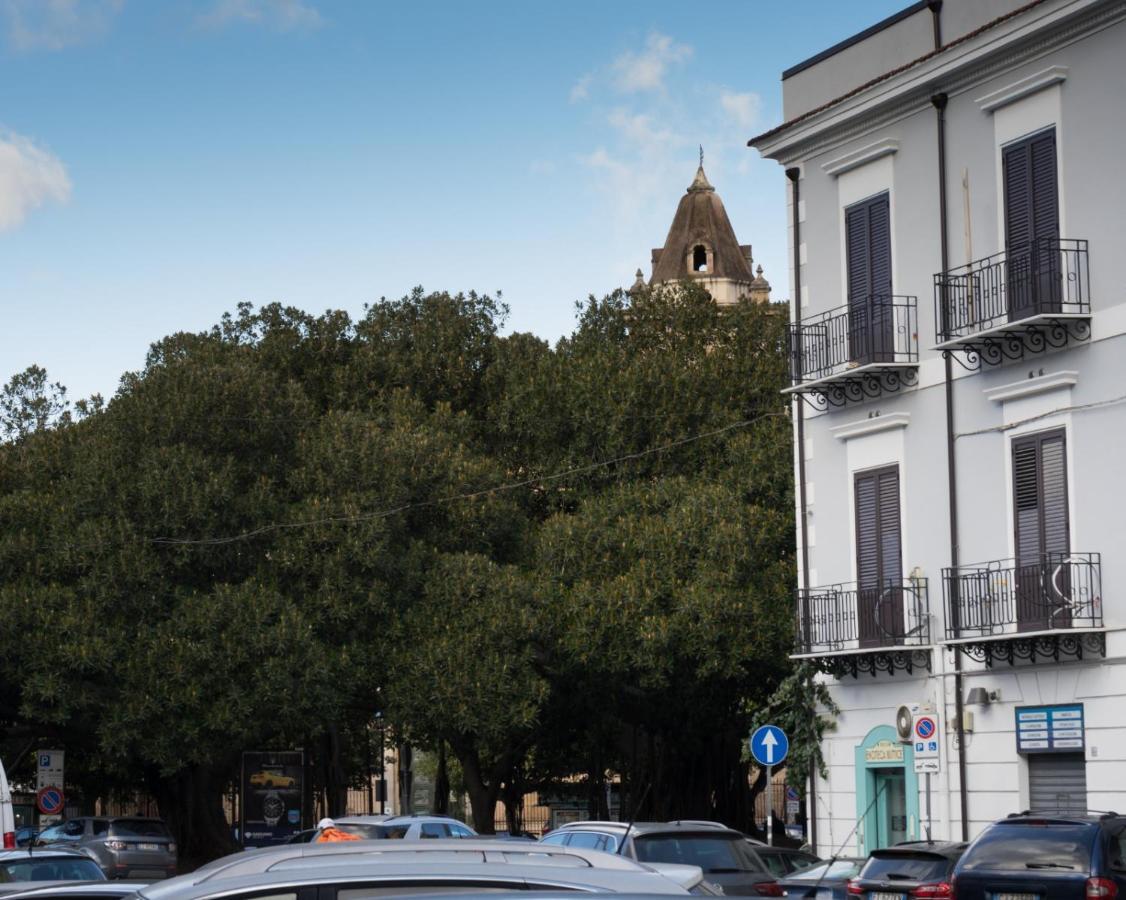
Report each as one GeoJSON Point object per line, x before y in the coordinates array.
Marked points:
{"type": "Point", "coordinates": [163, 160]}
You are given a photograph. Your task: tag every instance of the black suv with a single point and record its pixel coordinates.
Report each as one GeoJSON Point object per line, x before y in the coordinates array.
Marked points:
{"type": "Point", "coordinates": [1046, 856]}
{"type": "Point", "coordinates": [913, 870]}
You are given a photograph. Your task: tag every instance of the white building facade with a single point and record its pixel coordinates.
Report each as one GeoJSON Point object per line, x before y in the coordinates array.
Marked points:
{"type": "Point", "coordinates": [957, 202]}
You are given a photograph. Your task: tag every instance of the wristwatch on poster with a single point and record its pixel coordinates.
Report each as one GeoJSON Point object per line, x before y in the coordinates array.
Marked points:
{"type": "Point", "coordinates": [273, 808]}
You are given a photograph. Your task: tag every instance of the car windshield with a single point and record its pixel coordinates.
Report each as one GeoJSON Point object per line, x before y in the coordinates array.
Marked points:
{"type": "Point", "coordinates": [368, 832]}
{"type": "Point", "coordinates": [51, 869]}
{"type": "Point", "coordinates": [840, 870]}
{"type": "Point", "coordinates": [710, 852]}
{"type": "Point", "coordinates": [137, 828]}
{"type": "Point", "coordinates": [1024, 846]}
{"type": "Point", "coordinates": [905, 867]}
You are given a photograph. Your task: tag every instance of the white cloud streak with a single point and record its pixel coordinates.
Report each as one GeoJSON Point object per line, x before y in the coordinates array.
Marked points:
{"type": "Point", "coordinates": [29, 177]}
{"type": "Point", "coordinates": [581, 89]}
{"type": "Point", "coordinates": [743, 108]}
{"type": "Point", "coordinates": [645, 71]}
{"type": "Point", "coordinates": [56, 24]}
{"type": "Point", "coordinates": [281, 15]}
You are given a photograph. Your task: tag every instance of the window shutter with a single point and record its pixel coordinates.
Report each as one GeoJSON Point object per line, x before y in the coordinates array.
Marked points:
{"type": "Point", "coordinates": [879, 237]}
{"type": "Point", "coordinates": [1053, 477]}
{"type": "Point", "coordinates": [888, 486]}
{"type": "Point", "coordinates": [858, 252]}
{"type": "Point", "coordinates": [1045, 202]}
{"type": "Point", "coordinates": [1016, 166]}
{"type": "Point", "coordinates": [867, 534]}
{"type": "Point", "coordinates": [1040, 496]}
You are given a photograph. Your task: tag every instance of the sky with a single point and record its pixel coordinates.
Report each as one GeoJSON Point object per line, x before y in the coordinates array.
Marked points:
{"type": "Point", "coordinates": [163, 160]}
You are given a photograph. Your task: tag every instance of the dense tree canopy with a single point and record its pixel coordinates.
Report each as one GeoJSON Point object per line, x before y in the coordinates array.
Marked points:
{"type": "Point", "coordinates": [554, 561]}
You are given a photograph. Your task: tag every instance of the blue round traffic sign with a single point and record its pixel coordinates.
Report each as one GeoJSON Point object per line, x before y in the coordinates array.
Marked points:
{"type": "Point", "coordinates": [50, 801]}
{"type": "Point", "coordinates": [769, 745]}
{"type": "Point", "coordinates": [925, 727]}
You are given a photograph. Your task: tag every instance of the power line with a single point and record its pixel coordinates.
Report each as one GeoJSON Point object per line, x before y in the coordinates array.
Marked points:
{"type": "Point", "coordinates": [1009, 426]}
{"type": "Point", "coordinates": [469, 495]}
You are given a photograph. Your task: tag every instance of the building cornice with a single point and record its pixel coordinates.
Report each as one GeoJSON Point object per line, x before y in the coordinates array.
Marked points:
{"type": "Point", "coordinates": [1010, 93]}
{"type": "Point", "coordinates": [873, 425]}
{"type": "Point", "coordinates": [1030, 387]}
{"type": "Point", "coordinates": [856, 158]}
{"type": "Point", "coordinates": [958, 69]}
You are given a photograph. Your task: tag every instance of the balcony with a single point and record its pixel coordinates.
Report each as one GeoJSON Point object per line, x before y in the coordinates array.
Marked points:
{"type": "Point", "coordinates": [1006, 610]}
{"type": "Point", "coordinates": [1015, 303]}
{"type": "Point", "coordinates": [855, 352]}
{"type": "Point", "coordinates": [845, 629]}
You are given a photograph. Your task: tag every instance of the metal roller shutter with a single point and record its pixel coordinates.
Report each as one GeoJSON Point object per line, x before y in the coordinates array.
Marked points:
{"type": "Point", "coordinates": [1057, 782]}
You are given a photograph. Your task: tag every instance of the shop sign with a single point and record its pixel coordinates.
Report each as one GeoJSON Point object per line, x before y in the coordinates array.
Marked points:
{"type": "Point", "coordinates": [1047, 729]}
{"type": "Point", "coordinates": [884, 751]}
{"type": "Point", "coordinates": [272, 796]}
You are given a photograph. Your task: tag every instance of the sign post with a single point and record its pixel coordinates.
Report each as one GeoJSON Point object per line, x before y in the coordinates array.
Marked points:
{"type": "Point", "coordinates": [926, 741]}
{"type": "Point", "coordinates": [769, 746]}
{"type": "Point", "coordinates": [49, 781]}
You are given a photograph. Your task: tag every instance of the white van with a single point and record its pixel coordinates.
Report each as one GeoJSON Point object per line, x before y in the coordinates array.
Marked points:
{"type": "Point", "coordinates": [7, 813]}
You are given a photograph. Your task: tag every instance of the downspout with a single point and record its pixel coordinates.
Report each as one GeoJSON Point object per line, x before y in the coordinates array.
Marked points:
{"type": "Point", "coordinates": [939, 101]}
{"type": "Point", "coordinates": [794, 175]}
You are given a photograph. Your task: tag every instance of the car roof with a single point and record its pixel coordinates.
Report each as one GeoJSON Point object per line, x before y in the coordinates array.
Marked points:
{"type": "Point", "coordinates": [39, 853]}
{"type": "Point", "coordinates": [62, 888]}
{"type": "Point", "coordinates": [1057, 816]}
{"type": "Point", "coordinates": [937, 848]}
{"type": "Point", "coordinates": [708, 828]}
{"type": "Point", "coordinates": [456, 860]}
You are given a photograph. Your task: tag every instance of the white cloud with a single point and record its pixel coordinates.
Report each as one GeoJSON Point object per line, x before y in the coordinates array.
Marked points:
{"type": "Point", "coordinates": [639, 128]}
{"type": "Point", "coordinates": [55, 24]}
{"type": "Point", "coordinates": [29, 177]}
{"type": "Point", "coordinates": [282, 15]}
{"type": "Point", "coordinates": [581, 88]}
{"type": "Point", "coordinates": [645, 71]}
{"type": "Point", "coordinates": [743, 108]}
{"type": "Point", "coordinates": [542, 167]}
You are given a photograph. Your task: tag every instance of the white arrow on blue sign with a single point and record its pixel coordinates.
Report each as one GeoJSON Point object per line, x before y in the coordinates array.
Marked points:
{"type": "Point", "coordinates": [769, 745]}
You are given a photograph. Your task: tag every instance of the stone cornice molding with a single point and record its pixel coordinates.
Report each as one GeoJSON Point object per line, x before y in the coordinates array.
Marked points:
{"type": "Point", "coordinates": [1030, 387]}
{"type": "Point", "coordinates": [1010, 93]}
{"type": "Point", "coordinates": [871, 426]}
{"type": "Point", "coordinates": [857, 158]}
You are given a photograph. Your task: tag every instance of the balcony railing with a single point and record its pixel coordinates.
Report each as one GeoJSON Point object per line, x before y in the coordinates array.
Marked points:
{"type": "Point", "coordinates": [849, 617]}
{"type": "Point", "coordinates": [874, 330]}
{"type": "Point", "coordinates": [1055, 591]}
{"type": "Point", "coordinates": [1043, 278]}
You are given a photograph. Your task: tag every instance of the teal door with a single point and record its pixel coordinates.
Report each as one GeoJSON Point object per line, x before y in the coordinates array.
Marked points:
{"type": "Point", "coordinates": [891, 808]}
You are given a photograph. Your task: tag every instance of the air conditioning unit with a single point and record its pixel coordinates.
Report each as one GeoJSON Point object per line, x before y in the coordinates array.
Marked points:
{"type": "Point", "coordinates": [905, 719]}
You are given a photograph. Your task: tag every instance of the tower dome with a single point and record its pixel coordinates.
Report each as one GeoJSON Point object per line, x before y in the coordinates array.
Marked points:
{"type": "Point", "coordinates": [701, 246]}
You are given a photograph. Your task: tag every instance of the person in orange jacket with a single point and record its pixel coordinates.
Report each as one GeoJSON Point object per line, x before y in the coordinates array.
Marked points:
{"type": "Point", "coordinates": [329, 832]}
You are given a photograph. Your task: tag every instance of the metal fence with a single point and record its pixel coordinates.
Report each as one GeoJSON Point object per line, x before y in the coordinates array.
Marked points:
{"type": "Point", "coordinates": [846, 616]}
{"type": "Point", "coordinates": [876, 328]}
{"type": "Point", "coordinates": [1043, 277]}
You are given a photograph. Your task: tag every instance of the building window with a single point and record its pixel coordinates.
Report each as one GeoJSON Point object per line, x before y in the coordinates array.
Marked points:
{"type": "Point", "coordinates": [1032, 226]}
{"type": "Point", "coordinates": [699, 258]}
{"type": "Point", "coordinates": [879, 583]}
{"type": "Point", "coordinates": [868, 255]}
{"type": "Point", "coordinates": [1041, 528]}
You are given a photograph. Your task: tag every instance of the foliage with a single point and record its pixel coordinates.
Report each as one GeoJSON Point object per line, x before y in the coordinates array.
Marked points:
{"type": "Point", "coordinates": [554, 561]}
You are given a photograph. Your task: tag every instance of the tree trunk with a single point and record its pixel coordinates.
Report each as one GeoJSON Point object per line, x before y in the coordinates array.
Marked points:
{"type": "Point", "coordinates": [441, 801]}
{"type": "Point", "coordinates": [404, 759]}
{"type": "Point", "coordinates": [482, 794]}
{"type": "Point", "coordinates": [191, 802]}
{"type": "Point", "coordinates": [335, 781]}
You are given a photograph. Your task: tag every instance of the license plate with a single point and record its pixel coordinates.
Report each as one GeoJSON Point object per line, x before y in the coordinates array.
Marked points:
{"type": "Point", "coordinates": [1008, 896]}
{"type": "Point", "coordinates": [880, 895]}
{"type": "Point", "coordinates": [148, 846]}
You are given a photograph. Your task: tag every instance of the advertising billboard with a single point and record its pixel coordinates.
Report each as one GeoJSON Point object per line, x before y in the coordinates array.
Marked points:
{"type": "Point", "coordinates": [273, 795]}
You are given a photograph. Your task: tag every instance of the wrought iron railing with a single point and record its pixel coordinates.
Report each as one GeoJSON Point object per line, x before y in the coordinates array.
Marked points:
{"type": "Point", "coordinates": [876, 328]}
{"type": "Point", "coordinates": [1043, 277]}
{"type": "Point", "coordinates": [850, 617]}
{"type": "Point", "coordinates": [1052, 591]}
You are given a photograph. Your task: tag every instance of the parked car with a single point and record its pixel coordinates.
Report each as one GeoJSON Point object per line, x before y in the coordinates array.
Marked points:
{"type": "Point", "coordinates": [725, 856]}
{"type": "Point", "coordinates": [75, 890]}
{"type": "Point", "coordinates": [1035, 856]}
{"type": "Point", "coordinates": [124, 846]}
{"type": "Point", "coordinates": [382, 868]}
{"type": "Point", "coordinates": [25, 834]}
{"type": "Point", "coordinates": [61, 864]}
{"type": "Point", "coordinates": [402, 827]}
{"type": "Point", "coordinates": [919, 870]}
{"type": "Point", "coordinates": [822, 881]}
{"type": "Point", "coordinates": [302, 837]}
{"type": "Point", "coordinates": [7, 813]}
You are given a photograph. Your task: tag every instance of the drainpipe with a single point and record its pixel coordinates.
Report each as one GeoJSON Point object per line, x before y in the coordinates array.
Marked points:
{"type": "Point", "coordinates": [939, 101]}
{"type": "Point", "coordinates": [794, 174]}
{"type": "Point", "coordinates": [936, 8]}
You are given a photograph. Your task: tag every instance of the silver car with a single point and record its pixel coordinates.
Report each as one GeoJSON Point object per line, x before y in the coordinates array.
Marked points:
{"type": "Point", "coordinates": [408, 828]}
{"type": "Point", "coordinates": [19, 869]}
{"type": "Point", "coordinates": [124, 846]}
{"type": "Point", "coordinates": [358, 870]}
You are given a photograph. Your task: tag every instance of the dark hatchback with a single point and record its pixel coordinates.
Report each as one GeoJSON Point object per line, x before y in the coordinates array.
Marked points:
{"type": "Point", "coordinates": [916, 870]}
{"type": "Point", "coordinates": [824, 881]}
{"type": "Point", "coordinates": [1046, 857]}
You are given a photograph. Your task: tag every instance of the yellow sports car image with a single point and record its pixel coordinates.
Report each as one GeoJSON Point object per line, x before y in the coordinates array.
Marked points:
{"type": "Point", "coordinates": [272, 780]}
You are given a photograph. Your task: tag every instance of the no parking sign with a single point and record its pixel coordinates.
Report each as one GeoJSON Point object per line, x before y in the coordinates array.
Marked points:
{"type": "Point", "coordinates": [925, 741]}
